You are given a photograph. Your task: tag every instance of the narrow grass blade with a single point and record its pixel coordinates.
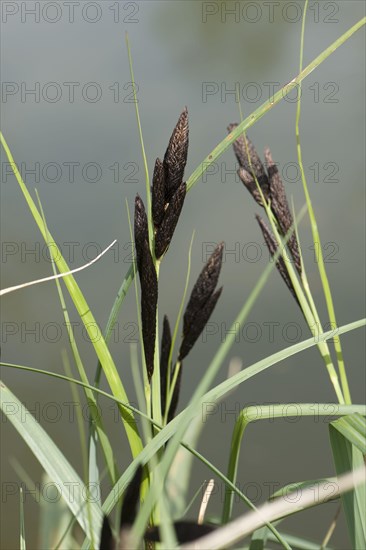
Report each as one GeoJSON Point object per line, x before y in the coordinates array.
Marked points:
{"type": "Point", "coordinates": [261, 412]}
{"type": "Point", "coordinates": [83, 309]}
{"type": "Point", "coordinates": [181, 422]}
{"type": "Point", "coordinates": [56, 521]}
{"type": "Point", "coordinates": [353, 428]}
{"type": "Point", "coordinates": [211, 397]}
{"type": "Point", "coordinates": [244, 525]}
{"type": "Point", "coordinates": [108, 331]}
{"type": "Point", "coordinates": [92, 404]}
{"type": "Point", "coordinates": [147, 179]}
{"type": "Point", "coordinates": [316, 236]}
{"type": "Point", "coordinates": [300, 485]}
{"type": "Point", "coordinates": [259, 539]}
{"type": "Point", "coordinates": [347, 437]}
{"type": "Point", "coordinates": [267, 106]}
{"type": "Point", "coordinates": [299, 543]}
{"type": "Point", "coordinates": [22, 544]}
{"type": "Point", "coordinates": [53, 462]}
{"type": "Point", "coordinates": [214, 155]}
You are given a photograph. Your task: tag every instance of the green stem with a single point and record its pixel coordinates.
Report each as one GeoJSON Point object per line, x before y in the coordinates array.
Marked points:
{"type": "Point", "coordinates": [155, 379]}
{"type": "Point", "coordinates": [85, 314]}
{"type": "Point", "coordinates": [263, 412]}
{"type": "Point", "coordinates": [316, 236]}
{"type": "Point", "coordinates": [171, 390]}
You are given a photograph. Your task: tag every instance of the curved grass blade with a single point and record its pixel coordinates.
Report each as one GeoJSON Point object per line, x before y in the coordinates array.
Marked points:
{"type": "Point", "coordinates": [267, 105]}
{"type": "Point", "coordinates": [316, 236]}
{"type": "Point", "coordinates": [53, 462]}
{"type": "Point", "coordinates": [86, 315]}
{"type": "Point", "coordinates": [212, 396]}
{"type": "Point", "coordinates": [348, 440]}
{"type": "Point", "coordinates": [227, 141]}
{"type": "Point", "coordinates": [91, 401]}
{"type": "Point", "coordinates": [244, 525]}
{"type": "Point", "coordinates": [22, 544]}
{"type": "Point", "coordinates": [182, 421]}
{"type": "Point", "coordinates": [262, 412]}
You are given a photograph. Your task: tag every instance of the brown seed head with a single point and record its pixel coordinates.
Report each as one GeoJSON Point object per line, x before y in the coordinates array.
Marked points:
{"type": "Point", "coordinates": [165, 231]}
{"type": "Point", "coordinates": [244, 150]}
{"type": "Point", "coordinates": [175, 157]}
{"type": "Point", "coordinates": [280, 207]}
{"type": "Point", "coordinates": [148, 283]}
{"type": "Point", "coordinates": [202, 301]}
{"type": "Point", "coordinates": [272, 247]}
{"type": "Point", "coordinates": [158, 193]}
{"type": "Point", "coordinates": [166, 344]}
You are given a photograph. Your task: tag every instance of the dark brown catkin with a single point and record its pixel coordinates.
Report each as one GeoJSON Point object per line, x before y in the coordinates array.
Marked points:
{"type": "Point", "coordinates": [131, 499]}
{"type": "Point", "coordinates": [128, 514]}
{"type": "Point", "coordinates": [148, 283]}
{"type": "Point", "coordinates": [166, 343]}
{"type": "Point", "coordinates": [280, 208]}
{"type": "Point", "coordinates": [158, 193]}
{"type": "Point", "coordinates": [168, 189]}
{"type": "Point", "coordinates": [106, 538]}
{"type": "Point", "coordinates": [250, 168]}
{"type": "Point", "coordinates": [202, 301]}
{"type": "Point", "coordinates": [175, 157]}
{"type": "Point", "coordinates": [165, 231]}
{"type": "Point", "coordinates": [272, 247]}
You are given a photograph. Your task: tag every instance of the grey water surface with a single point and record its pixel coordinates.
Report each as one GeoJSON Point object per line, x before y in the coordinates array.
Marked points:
{"type": "Point", "coordinates": [69, 119]}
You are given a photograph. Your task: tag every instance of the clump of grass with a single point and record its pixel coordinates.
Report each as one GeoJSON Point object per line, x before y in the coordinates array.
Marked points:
{"type": "Point", "coordinates": [144, 479]}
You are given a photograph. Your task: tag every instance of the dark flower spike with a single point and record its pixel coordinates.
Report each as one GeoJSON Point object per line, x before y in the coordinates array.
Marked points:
{"type": "Point", "coordinates": [248, 168]}
{"type": "Point", "coordinates": [201, 302]}
{"type": "Point", "coordinates": [106, 538]}
{"type": "Point", "coordinates": [128, 515]}
{"type": "Point", "coordinates": [148, 283]}
{"type": "Point", "coordinates": [131, 499]}
{"type": "Point", "coordinates": [251, 185]}
{"type": "Point", "coordinates": [186, 531]}
{"type": "Point", "coordinates": [175, 157]}
{"type": "Point", "coordinates": [280, 207]}
{"type": "Point", "coordinates": [166, 343]}
{"type": "Point", "coordinates": [165, 231]}
{"type": "Point", "coordinates": [272, 247]}
{"type": "Point", "coordinates": [198, 324]}
{"type": "Point", "coordinates": [158, 193]}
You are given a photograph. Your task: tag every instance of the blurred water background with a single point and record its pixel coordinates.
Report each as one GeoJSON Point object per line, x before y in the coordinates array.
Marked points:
{"type": "Point", "coordinates": [78, 132]}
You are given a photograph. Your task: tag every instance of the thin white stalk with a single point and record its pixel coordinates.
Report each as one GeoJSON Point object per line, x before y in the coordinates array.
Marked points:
{"type": "Point", "coordinates": [269, 512]}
